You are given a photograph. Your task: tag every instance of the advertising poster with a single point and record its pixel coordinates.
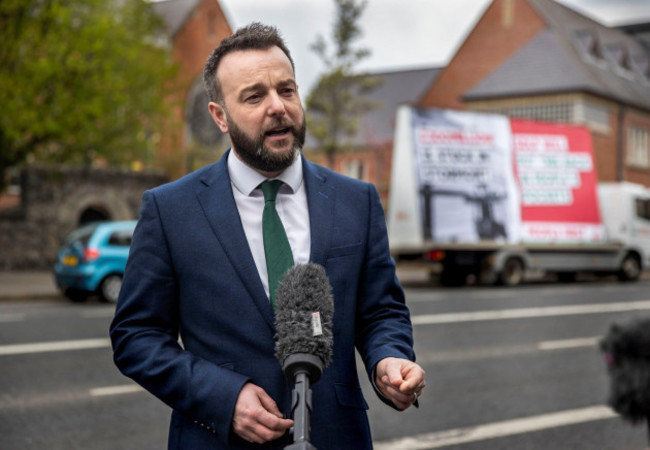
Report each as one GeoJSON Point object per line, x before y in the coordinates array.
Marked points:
{"type": "Point", "coordinates": [466, 185]}
{"type": "Point", "coordinates": [555, 174]}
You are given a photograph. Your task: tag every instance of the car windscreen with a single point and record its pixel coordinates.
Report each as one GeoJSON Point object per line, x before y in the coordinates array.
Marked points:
{"type": "Point", "coordinates": [81, 235]}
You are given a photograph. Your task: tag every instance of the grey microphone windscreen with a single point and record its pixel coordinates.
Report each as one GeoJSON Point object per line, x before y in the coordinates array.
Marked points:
{"type": "Point", "coordinates": [304, 310]}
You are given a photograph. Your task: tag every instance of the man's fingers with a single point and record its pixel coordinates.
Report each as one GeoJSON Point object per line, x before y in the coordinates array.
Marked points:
{"type": "Point", "coordinates": [261, 426]}
{"type": "Point", "coordinates": [394, 374]}
{"type": "Point", "coordinates": [269, 428]}
{"type": "Point", "coordinates": [400, 380]}
{"type": "Point", "coordinates": [269, 404]}
{"type": "Point", "coordinates": [413, 376]}
{"type": "Point", "coordinates": [274, 423]}
{"type": "Point", "coordinates": [257, 418]}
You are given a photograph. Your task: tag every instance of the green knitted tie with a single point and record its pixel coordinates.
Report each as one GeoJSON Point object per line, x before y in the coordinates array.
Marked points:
{"type": "Point", "coordinates": [276, 245]}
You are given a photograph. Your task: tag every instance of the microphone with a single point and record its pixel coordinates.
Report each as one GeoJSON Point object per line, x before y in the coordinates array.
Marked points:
{"type": "Point", "coordinates": [304, 308]}
{"type": "Point", "coordinates": [626, 349]}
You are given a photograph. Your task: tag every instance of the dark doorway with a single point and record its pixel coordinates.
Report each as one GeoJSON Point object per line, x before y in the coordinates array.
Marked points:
{"type": "Point", "coordinates": [94, 214]}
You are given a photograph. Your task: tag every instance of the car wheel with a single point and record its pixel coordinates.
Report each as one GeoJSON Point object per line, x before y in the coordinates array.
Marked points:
{"type": "Point", "coordinates": [109, 290]}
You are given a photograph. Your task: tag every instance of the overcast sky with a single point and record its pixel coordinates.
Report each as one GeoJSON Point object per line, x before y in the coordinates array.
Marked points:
{"type": "Point", "coordinates": [400, 33]}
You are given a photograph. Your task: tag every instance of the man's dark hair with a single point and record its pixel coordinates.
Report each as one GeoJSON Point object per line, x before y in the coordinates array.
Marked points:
{"type": "Point", "coordinates": [255, 36]}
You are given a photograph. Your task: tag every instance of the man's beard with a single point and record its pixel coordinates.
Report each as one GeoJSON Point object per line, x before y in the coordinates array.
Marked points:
{"type": "Point", "coordinates": [255, 154]}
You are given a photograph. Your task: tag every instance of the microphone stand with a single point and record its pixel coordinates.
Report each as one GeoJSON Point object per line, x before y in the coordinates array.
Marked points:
{"type": "Point", "coordinates": [301, 408]}
{"type": "Point", "coordinates": [303, 368]}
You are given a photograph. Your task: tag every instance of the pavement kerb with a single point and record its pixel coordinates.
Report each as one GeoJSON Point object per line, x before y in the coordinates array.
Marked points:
{"type": "Point", "coordinates": [28, 285]}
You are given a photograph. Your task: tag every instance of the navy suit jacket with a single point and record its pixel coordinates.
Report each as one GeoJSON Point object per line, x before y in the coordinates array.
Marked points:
{"type": "Point", "coordinates": [191, 274]}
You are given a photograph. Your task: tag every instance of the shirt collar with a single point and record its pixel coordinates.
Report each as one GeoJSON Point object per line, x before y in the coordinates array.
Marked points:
{"type": "Point", "coordinates": [246, 180]}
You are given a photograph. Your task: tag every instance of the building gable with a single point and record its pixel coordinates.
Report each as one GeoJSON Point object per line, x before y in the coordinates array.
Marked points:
{"type": "Point", "coordinates": [540, 67]}
{"type": "Point", "coordinates": [504, 28]}
{"type": "Point", "coordinates": [175, 13]}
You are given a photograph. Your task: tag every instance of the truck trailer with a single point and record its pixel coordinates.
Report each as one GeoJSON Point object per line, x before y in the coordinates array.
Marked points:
{"type": "Point", "coordinates": [482, 195]}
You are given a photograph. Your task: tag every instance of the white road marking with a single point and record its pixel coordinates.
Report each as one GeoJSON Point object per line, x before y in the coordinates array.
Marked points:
{"type": "Point", "coordinates": [55, 346]}
{"type": "Point", "coordinates": [569, 343]}
{"type": "Point", "coordinates": [497, 429]}
{"type": "Point", "coordinates": [11, 317]}
{"type": "Point", "coordinates": [521, 313]}
{"type": "Point", "coordinates": [504, 351]}
{"type": "Point", "coordinates": [102, 313]}
{"type": "Point", "coordinates": [115, 390]}
{"type": "Point", "coordinates": [23, 401]}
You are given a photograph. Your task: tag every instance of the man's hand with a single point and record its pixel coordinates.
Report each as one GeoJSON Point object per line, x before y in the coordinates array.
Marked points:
{"type": "Point", "coordinates": [257, 417]}
{"type": "Point", "coordinates": [401, 381]}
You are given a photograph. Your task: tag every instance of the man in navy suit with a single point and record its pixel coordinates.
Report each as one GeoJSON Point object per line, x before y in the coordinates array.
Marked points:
{"type": "Point", "coordinates": [197, 271]}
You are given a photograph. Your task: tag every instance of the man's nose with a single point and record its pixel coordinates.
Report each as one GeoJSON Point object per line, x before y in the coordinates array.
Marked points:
{"type": "Point", "coordinates": [276, 105]}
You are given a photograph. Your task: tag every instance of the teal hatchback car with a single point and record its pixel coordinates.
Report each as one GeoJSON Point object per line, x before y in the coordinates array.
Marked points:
{"type": "Point", "coordinates": [92, 260]}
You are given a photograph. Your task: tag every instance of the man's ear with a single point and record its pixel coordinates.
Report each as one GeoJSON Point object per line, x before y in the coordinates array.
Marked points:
{"type": "Point", "coordinates": [218, 114]}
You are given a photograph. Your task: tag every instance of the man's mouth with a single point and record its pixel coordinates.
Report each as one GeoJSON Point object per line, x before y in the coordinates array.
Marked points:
{"type": "Point", "coordinates": [278, 131]}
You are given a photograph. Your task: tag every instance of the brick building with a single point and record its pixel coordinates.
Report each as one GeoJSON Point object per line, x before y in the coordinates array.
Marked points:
{"type": "Point", "coordinates": [190, 139]}
{"type": "Point", "coordinates": [534, 59]}
{"type": "Point", "coordinates": [539, 60]}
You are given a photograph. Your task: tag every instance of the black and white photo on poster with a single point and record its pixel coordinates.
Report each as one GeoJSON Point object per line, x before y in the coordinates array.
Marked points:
{"type": "Point", "coordinates": [465, 181]}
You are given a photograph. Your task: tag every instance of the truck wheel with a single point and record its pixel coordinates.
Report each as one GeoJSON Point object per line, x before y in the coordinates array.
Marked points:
{"type": "Point", "coordinates": [512, 273]}
{"type": "Point", "coordinates": [630, 268]}
{"type": "Point", "coordinates": [109, 289]}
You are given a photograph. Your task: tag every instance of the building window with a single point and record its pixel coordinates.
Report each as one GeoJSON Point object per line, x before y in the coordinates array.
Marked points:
{"type": "Point", "coordinates": [547, 112]}
{"type": "Point", "coordinates": [643, 208]}
{"type": "Point", "coordinates": [568, 110]}
{"type": "Point", "coordinates": [354, 168]}
{"type": "Point", "coordinates": [637, 147]}
{"type": "Point", "coordinates": [620, 59]}
{"type": "Point", "coordinates": [594, 115]}
{"type": "Point", "coordinates": [202, 129]}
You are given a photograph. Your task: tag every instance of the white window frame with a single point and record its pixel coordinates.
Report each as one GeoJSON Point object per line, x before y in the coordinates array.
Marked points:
{"type": "Point", "coordinates": [638, 150]}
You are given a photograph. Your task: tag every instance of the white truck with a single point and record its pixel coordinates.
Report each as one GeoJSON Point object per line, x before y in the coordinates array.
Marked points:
{"type": "Point", "coordinates": [481, 195]}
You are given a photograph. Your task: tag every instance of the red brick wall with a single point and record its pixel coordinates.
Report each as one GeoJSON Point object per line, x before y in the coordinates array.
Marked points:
{"type": "Point", "coordinates": [640, 120]}
{"type": "Point", "coordinates": [605, 149]}
{"type": "Point", "coordinates": [377, 163]}
{"type": "Point", "coordinates": [489, 44]}
{"type": "Point", "coordinates": [609, 165]}
{"type": "Point", "coordinates": [204, 29]}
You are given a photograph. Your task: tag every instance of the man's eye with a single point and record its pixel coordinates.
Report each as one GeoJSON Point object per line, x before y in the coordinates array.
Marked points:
{"type": "Point", "coordinates": [253, 98]}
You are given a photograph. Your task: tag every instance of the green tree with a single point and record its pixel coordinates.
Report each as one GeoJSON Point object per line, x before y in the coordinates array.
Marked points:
{"type": "Point", "coordinates": [79, 80]}
{"type": "Point", "coordinates": [335, 103]}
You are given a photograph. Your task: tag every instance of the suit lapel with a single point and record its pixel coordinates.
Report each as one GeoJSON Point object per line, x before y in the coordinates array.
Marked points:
{"type": "Point", "coordinates": [218, 203]}
{"type": "Point", "coordinates": [320, 199]}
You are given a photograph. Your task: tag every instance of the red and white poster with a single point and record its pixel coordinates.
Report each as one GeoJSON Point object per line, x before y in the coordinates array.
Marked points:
{"type": "Point", "coordinates": [554, 170]}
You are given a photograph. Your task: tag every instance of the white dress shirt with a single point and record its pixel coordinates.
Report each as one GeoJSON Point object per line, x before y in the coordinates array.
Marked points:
{"type": "Point", "coordinates": [291, 205]}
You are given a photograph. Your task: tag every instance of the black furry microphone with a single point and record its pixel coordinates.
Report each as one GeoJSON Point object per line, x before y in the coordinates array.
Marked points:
{"type": "Point", "coordinates": [627, 352]}
{"type": "Point", "coordinates": [304, 308]}
{"type": "Point", "coordinates": [303, 318]}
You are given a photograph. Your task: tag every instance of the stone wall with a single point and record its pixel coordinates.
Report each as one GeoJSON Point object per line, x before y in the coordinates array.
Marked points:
{"type": "Point", "coordinates": [53, 202]}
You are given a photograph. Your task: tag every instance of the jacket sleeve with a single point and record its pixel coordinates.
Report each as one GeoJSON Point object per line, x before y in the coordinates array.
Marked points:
{"type": "Point", "coordinates": [145, 334]}
{"type": "Point", "coordinates": [383, 326]}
